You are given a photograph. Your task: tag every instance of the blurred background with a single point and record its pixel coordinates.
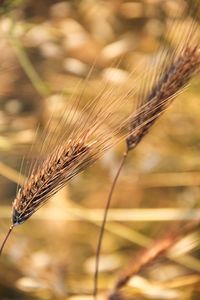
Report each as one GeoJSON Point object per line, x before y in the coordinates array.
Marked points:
{"type": "Point", "coordinates": [47, 49]}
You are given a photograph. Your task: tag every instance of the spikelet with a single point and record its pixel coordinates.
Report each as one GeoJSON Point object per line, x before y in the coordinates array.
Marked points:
{"type": "Point", "coordinates": [83, 146]}
{"type": "Point", "coordinates": [63, 164]}
{"type": "Point", "coordinates": [171, 82]}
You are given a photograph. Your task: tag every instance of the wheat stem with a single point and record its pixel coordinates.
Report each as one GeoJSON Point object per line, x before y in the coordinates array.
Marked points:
{"type": "Point", "coordinates": [6, 237]}
{"type": "Point", "coordinates": [102, 229]}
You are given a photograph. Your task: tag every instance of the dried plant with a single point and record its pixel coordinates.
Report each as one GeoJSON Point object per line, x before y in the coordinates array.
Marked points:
{"type": "Point", "coordinates": [86, 137]}
{"type": "Point", "coordinates": [99, 128]}
{"type": "Point", "coordinates": [157, 249]}
{"type": "Point", "coordinates": [171, 74]}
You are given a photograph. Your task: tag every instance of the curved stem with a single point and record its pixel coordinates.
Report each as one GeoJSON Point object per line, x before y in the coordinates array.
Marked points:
{"type": "Point", "coordinates": [6, 237]}
{"type": "Point", "coordinates": [100, 240]}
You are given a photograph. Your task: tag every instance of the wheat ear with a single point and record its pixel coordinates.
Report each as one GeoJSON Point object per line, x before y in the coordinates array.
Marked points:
{"type": "Point", "coordinates": [179, 69]}
{"type": "Point", "coordinates": [86, 138]}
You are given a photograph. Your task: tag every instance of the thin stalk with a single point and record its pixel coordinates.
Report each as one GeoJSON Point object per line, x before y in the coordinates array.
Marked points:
{"type": "Point", "coordinates": [102, 229]}
{"type": "Point", "coordinates": [6, 237]}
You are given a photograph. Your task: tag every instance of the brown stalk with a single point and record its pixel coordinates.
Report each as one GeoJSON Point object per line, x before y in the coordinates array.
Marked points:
{"type": "Point", "coordinates": [6, 237]}
{"type": "Point", "coordinates": [176, 75]}
{"type": "Point", "coordinates": [104, 222]}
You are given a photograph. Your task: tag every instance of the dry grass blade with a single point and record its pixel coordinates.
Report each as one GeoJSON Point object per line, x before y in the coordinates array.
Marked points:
{"type": "Point", "coordinates": [157, 249]}
{"type": "Point", "coordinates": [177, 69]}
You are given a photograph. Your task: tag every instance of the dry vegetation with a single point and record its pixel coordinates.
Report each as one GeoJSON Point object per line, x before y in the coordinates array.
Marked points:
{"type": "Point", "coordinates": [151, 244]}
